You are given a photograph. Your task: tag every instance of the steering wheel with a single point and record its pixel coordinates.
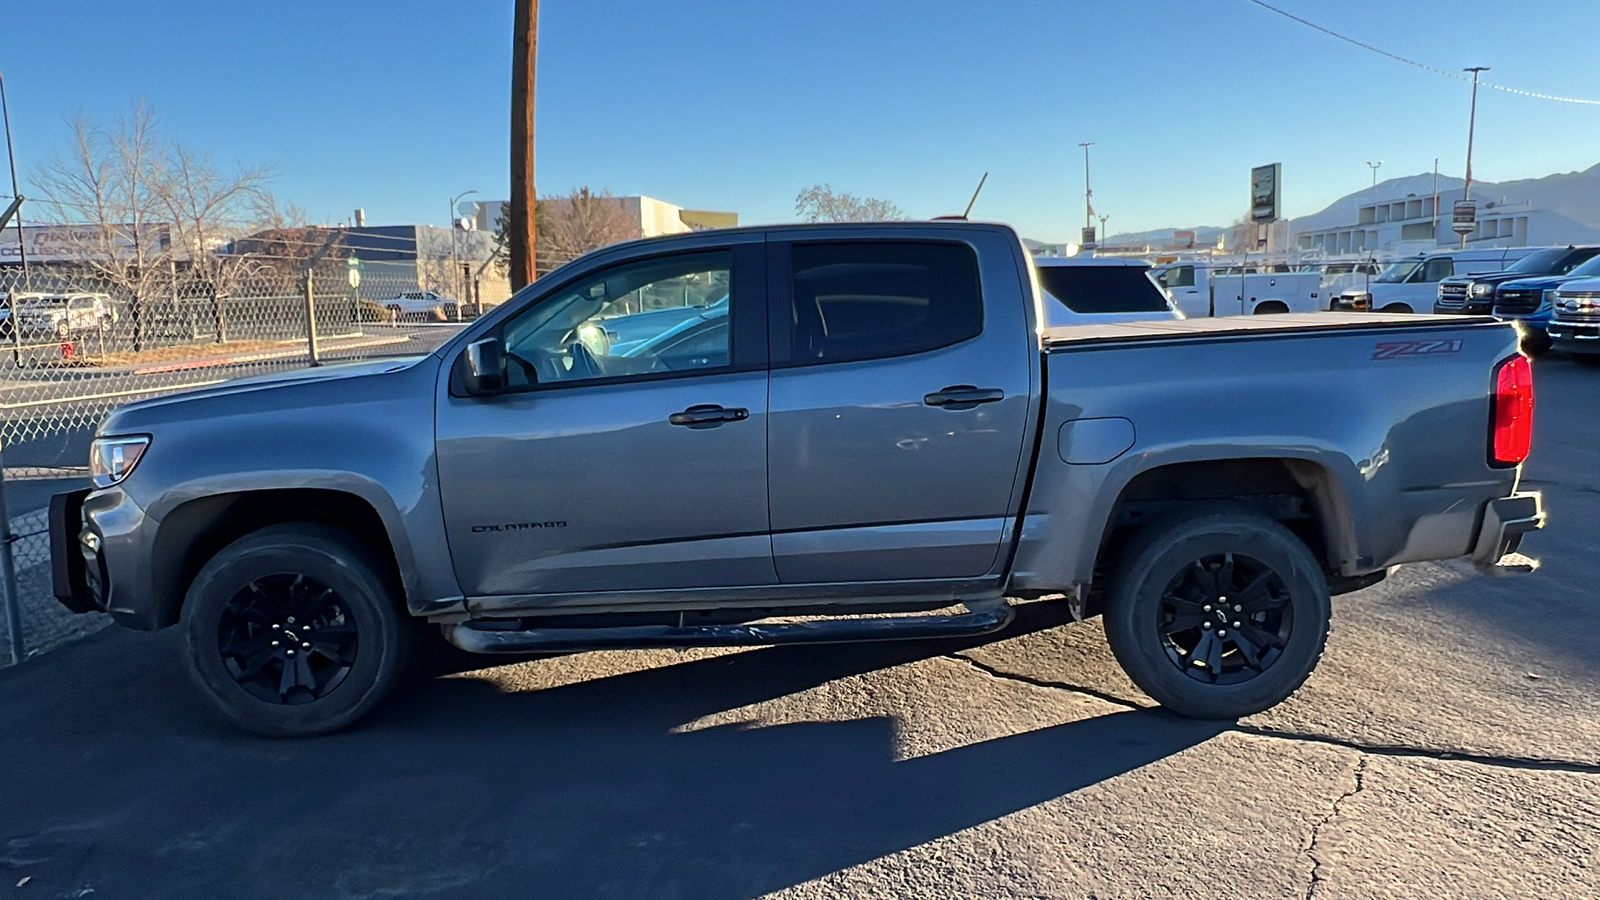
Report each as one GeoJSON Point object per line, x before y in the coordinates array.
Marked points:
{"type": "Point", "coordinates": [584, 365]}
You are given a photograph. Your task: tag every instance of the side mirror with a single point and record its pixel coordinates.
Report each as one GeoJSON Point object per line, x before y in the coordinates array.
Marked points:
{"type": "Point", "coordinates": [486, 368]}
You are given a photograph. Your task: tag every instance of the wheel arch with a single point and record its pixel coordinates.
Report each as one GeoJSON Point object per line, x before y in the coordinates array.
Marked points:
{"type": "Point", "coordinates": [1306, 495]}
{"type": "Point", "coordinates": [196, 530]}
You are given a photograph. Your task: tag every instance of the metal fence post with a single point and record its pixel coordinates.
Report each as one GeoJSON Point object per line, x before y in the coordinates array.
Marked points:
{"type": "Point", "coordinates": [8, 578]}
{"type": "Point", "coordinates": [311, 320]}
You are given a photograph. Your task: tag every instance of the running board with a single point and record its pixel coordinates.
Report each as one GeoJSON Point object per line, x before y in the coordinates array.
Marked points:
{"type": "Point", "coordinates": [480, 636]}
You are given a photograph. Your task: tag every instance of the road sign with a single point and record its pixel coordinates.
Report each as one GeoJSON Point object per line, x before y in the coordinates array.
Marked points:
{"type": "Point", "coordinates": [1464, 218]}
{"type": "Point", "coordinates": [353, 271]}
{"type": "Point", "coordinates": [1265, 184]}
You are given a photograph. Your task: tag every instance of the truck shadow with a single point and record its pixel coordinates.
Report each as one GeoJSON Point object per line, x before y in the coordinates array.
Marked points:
{"type": "Point", "coordinates": [118, 783]}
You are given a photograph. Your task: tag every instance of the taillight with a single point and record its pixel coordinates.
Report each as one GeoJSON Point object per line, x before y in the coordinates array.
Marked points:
{"type": "Point", "coordinates": [1511, 427]}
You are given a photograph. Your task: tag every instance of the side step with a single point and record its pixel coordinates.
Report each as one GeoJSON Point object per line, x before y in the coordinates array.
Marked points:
{"type": "Point", "coordinates": [489, 636]}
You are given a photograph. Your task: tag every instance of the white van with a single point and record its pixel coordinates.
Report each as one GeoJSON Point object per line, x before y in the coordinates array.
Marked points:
{"type": "Point", "coordinates": [1412, 284]}
{"type": "Point", "coordinates": [1205, 287]}
{"type": "Point", "coordinates": [1079, 290]}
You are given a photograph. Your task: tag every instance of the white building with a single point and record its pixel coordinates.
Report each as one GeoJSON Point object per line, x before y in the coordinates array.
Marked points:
{"type": "Point", "coordinates": [646, 216]}
{"type": "Point", "coordinates": [1399, 216]}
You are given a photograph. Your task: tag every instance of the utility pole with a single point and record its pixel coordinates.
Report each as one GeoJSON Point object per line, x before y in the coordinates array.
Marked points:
{"type": "Point", "coordinates": [1472, 124]}
{"type": "Point", "coordinates": [1375, 166]}
{"type": "Point", "coordinates": [1103, 233]}
{"type": "Point", "coordinates": [524, 55]}
{"type": "Point", "coordinates": [1436, 201]}
{"type": "Point", "coordinates": [1088, 205]}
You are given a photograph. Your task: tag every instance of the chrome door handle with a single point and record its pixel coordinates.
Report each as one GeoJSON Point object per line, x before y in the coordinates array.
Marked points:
{"type": "Point", "coordinates": [963, 396]}
{"type": "Point", "coordinates": [708, 415]}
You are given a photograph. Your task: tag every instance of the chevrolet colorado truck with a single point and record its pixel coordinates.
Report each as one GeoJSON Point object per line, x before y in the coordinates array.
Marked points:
{"type": "Point", "coordinates": [877, 439]}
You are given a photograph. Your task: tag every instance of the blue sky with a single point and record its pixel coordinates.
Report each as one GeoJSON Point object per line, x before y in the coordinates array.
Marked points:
{"type": "Point", "coordinates": [395, 105]}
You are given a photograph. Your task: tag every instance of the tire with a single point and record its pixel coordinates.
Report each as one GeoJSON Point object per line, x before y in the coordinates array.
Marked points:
{"type": "Point", "coordinates": [1157, 588]}
{"type": "Point", "coordinates": [243, 602]}
{"type": "Point", "coordinates": [1536, 343]}
{"type": "Point", "coordinates": [1396, 308]}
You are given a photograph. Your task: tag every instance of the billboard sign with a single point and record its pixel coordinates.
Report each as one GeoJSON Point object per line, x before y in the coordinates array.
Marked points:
{"type": "Point", "coordinates": [1265, 184]}
{"type": "Point", "coordinates": [81, 243]}
{"type": "Point", "coordinates": [1464, 218]}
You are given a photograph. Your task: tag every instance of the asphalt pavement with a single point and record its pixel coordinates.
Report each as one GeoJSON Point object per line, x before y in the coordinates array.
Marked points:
{"type": "Point", "coordinates": [1448, 746]}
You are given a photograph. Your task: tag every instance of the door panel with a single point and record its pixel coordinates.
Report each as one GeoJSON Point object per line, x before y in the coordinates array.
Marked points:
{"type": "Point", "coordinates": [593, 489]}
{"type": "Point", "coordinates": [869, 479]}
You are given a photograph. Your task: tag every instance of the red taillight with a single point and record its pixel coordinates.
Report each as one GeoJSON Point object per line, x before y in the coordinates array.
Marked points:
{"type": "Point", "coordinates": [1511, 428]}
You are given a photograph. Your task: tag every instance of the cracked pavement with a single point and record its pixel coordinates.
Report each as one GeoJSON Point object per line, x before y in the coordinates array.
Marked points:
{"type": "Point", "coordinates": [1447, 746]}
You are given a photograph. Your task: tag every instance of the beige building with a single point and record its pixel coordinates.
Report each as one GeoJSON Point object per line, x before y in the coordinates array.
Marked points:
{"type": "Point", "coordinates": [645, 216]}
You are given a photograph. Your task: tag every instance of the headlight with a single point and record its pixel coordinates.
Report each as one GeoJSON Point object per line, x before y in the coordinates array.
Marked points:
{"type": "Point", "coordinates": [112, 458]}
{"type": "Point", "coordinates": [1482, 290]}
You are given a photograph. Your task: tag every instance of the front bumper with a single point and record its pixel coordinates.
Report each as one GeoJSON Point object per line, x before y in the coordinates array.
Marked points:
{"type": "Point", "coordinates": [1469, 308]}
{"type": "Point", "coordinates": [1572, 337]}
{"type": "Point", "coordinates": [1505, 521]}
{"type": "Point", "coordinates": [69, 558]}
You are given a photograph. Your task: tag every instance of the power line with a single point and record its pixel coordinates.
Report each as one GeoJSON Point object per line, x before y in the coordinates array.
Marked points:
{"type": "Point", "coordinates": [1420, 65]}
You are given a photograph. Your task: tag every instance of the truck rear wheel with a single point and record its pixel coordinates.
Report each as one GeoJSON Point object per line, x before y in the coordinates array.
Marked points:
{"type": "Point", "coordinates": [292, 631]}
{"type": "Point", "coordinates": [1217, 614]}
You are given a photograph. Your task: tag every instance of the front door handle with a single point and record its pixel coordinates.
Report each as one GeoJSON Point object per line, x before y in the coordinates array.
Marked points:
{"type": "Point", "coordinates": [963, 396]}
{"type": "Point", "coordinates": [708, 415]}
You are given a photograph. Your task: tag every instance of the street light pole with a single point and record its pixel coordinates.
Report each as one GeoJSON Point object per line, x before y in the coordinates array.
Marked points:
{"type": "Point", "coordinates": [1088, 205]}
{"type": "Point", "coordinates": [1472, 125]}
{"type": "Point", "coordinates": [22, 242]}
{"type": "Point", "coordinates": [455, 258]}
{"type": "Point", "coordinates": [1375, 166]}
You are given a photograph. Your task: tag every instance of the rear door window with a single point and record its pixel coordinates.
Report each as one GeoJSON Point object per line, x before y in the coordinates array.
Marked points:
{"type": "Point", "coordinates": [870, 300]}
{"type": "Point", "coordinates": [1107, 289]}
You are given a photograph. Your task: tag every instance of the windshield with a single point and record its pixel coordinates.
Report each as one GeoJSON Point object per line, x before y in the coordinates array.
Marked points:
{"type": "Point", "coordinates": [1102, 289]}
{"type": "Point", "coordinates": [1542, 262]}
{"type": "Point", "coordinates": [1589, 268]}
{"type": "Point", "coordinates": [1398, 272]}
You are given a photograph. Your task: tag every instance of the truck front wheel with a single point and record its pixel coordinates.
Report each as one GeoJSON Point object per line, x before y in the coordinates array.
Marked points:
{"type": "Point", "coordinates": [1217, 614]}
{"type": "Point", "coordinates": [292, 631]}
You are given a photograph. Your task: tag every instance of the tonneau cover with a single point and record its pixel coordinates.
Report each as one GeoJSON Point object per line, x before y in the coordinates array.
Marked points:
{"type": "Point", "coordinates": [1247, 326]}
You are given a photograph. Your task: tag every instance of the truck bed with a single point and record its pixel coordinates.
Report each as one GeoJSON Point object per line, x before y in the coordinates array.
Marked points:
{"type": "Point", "coordinates": [1248, 326]}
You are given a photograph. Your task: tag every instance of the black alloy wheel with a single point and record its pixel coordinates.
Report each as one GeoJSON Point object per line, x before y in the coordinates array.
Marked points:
{"type": "Point", "coordinates": [287, 638]}
{"type": "Point", "coordinates": [1217, 612]}
{"type": "Point", "coordinates": [1225, 618]}
{"type": "Point", "coordinates": [294, 630]}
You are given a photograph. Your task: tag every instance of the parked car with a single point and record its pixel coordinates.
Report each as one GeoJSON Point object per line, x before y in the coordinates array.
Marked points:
{"type": "Point", "coordinates": [1475, 294]}
{"type": "Point", "coordinates": [1412, 284]}
{"type": "Point", "coordinates": [60, 316]}
{"type": "Point", "coordinates": [1575, 320]}
{"type": "Point", "coordinates": [627, 330]}
{"type": "Point", "coordinates": [423, 305]}
{"type": "Point", "coordinates": [1082, 289]}
{"type": "Point", "coordinates": [1531, 301]}
{"type": "Point", "coordinates": [888, 430]}
{"type": "Point", "coordinates": [1205, 287]}
{"type": "Point", "coordinates": [1342, 275]}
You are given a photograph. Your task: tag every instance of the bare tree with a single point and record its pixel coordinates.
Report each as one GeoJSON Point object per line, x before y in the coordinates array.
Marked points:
{"type": "Point", "coordinates": [571, 226]}
{"type": "Point", "coordinates": [134, 206]}
{"type": "Point", "coordinates": [819, 203]}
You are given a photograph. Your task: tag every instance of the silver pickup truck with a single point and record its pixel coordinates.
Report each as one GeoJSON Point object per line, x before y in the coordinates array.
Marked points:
{"type": "Point", "coordinates": [845, 432]}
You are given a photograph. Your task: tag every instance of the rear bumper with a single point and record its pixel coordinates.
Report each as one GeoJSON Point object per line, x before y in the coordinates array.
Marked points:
{"type": "Point", "coordinates": [1505, 521]}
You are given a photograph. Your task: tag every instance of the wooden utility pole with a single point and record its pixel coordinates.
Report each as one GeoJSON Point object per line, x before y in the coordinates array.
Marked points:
{"type": "Point", "coordinates": [524, 53]}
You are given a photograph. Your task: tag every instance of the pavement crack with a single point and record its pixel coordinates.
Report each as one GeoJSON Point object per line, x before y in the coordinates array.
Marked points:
{"type": "Point", "coordinates": [1533, 763]}
{"type": "Point", "coordinates": [1310, 849]}
{"type": "Point", "coordinates": [1044, 683]}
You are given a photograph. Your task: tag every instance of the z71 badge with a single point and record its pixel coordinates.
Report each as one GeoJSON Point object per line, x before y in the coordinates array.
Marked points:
{"type": "Point", "coordinates": [1398, 349]}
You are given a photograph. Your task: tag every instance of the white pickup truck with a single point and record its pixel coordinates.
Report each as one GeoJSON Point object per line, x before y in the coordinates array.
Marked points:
{"type": "Point", "coordinates": [1201, 288]}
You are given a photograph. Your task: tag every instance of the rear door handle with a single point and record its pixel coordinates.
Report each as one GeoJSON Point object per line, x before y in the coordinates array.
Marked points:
{"type": "Point", "coordinates": [963, 396]}
{"type": "Point", "coordinates": [708, 415]}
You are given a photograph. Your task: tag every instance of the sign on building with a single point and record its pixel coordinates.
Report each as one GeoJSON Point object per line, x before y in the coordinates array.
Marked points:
{"type": "Point", "coordinates": [1265, 183]}
{"type": "Point", "coordinates": [81, 243]}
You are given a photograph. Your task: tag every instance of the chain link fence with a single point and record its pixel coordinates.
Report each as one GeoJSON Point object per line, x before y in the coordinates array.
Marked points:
{"type": "Point", "coordinates": [74, 345]}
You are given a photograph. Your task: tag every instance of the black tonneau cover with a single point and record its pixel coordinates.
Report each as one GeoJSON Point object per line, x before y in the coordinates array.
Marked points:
{"type": "Point", "coordinates": [1066, 336]}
